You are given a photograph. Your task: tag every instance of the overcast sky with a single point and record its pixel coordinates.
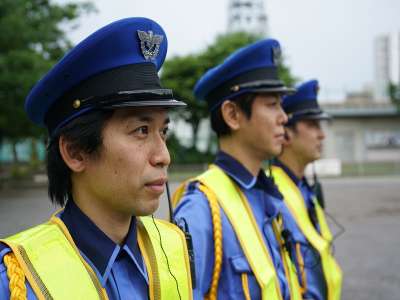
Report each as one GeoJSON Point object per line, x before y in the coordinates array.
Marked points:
{"type": "Point", "coordinates": [331, 40]}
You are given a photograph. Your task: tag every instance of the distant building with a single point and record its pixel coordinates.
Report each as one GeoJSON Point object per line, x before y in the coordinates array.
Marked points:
{"type": "Point", "coordinates": [363, 132]}
{"type": "Point", "coordinates": [382, 71]}
{"type": "Point", "coordinates": [248, 16]}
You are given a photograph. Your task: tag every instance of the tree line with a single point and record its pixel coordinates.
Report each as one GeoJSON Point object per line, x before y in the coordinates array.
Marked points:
{"type": "Point", "coordinates": [35, 35]}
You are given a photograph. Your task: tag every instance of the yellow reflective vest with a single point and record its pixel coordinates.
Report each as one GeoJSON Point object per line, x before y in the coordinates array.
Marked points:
{"type": "Point", "coordinates": [321, 242]}
{"type": "Point", "coordinates": [53, 266]}
{"type": "Point", "coordinates": [221, 190]}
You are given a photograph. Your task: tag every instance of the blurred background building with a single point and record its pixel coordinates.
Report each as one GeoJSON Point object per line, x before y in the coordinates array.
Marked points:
{"type": "Point", "coordinates": [382, 67]}
{"type": "Point", "coordinates": [366, 125]}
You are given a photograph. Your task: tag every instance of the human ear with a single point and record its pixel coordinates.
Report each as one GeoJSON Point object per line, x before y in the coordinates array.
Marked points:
{"type": "Point", "coordinates": [230, 114]}
{"type": "Point", "coordinates": [73, 157]}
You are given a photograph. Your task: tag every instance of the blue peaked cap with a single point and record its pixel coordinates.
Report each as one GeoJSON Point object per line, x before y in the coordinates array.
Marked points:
{"type": "Point", "coordinates": [303, 103]}
{"type": "Point", "coordinates": [251, 69]}
{"type": "Point", "coordinates": [114, 67]}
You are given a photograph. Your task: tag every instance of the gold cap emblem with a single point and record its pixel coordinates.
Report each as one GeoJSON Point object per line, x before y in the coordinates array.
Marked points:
{"type": "Point", "coordinates": [76, 103]}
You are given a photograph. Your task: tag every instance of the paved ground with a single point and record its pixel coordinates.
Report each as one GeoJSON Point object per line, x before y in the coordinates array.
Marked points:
{"type": "Point", "coordinates": [368, 251]}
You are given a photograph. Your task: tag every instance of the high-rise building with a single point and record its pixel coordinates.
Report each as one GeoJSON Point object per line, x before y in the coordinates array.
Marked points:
{"type": "Point", "coordinates": [382, 68]}
{"type": "Point", "coordinates": [248, 16]}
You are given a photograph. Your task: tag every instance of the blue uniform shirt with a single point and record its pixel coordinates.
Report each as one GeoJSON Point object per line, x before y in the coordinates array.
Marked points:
{"type": "Point", "coordinates": [316, 285]}
{"type": "Point", "coordinates": [266, 203]}
{"type": "Point", "coordinates": [119, 268]}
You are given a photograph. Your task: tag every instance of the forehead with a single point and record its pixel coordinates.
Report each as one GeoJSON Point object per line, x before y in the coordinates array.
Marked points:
{"type": "Point", "coordinates": [309, 122]}
{"type": "Point", "coordinates": [141, 113]}
{"type": "Point", "coordinates": [268, 96]}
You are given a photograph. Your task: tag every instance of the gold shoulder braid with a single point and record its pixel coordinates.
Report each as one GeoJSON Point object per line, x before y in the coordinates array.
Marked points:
{"type": "Point", "coordinates": [217, 232]}
{"type": "Point", "coordinates": [16, 277]}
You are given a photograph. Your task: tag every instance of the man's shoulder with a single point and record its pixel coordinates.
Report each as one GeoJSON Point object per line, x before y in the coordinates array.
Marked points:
{"type": "Point", "coordinates": [3, 247]}
{"type": "Point", "coordinates": [193, 204]}
{"type": "Point", "coordinates": [4, 292]}
{"type": "Point", "coordinates": [192, 194]}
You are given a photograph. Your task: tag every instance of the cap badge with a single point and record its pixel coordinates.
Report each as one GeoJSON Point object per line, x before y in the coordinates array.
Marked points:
{"type": "Point", "coordinates": [316, 89]}
{"type": "Point", "coordinates": [150, 43]}
{"type": "Point", "coordinates": [276, 55]}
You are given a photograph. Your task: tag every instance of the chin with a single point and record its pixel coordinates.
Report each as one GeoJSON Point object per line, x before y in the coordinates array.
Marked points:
{"type": "Point", "coordinates": [147, 207]}
{"type": "Point", "coordinates": [275, 152]}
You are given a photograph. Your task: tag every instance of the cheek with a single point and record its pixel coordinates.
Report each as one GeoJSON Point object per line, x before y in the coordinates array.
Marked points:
{"type": "Point", "coordinates": [124, 161]}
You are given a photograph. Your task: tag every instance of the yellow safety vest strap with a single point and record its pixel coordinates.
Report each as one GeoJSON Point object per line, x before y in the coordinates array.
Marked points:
{"type": "Point", "coordinates": [240, 216]}
{"type": "Point", "coordinates": [323, 224]}
{"type": "Point", "coordinates": [290, 269]}
{"type": "Point", "coordinates": [38, 251]}
{"type": "Point", "coordinates": [178, 194]}
{"type": "Point", "coordinates": [295, 203]}
{"type": "Point", "coordinates": [164, 250]}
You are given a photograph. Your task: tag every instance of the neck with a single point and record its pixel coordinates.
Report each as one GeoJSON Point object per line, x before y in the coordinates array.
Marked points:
{"type": "Point", "coordinates": [114, 224]}
{"type": "Point", "coordinates": [295, 165]}
{"type": "Point", "coordinates": [250, 161]}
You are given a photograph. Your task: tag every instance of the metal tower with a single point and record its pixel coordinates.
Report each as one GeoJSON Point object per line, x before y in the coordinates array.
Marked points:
{"type": "Point", "coordinates": [382, 68]}
{"type": "Point", "coordinates": [248, 16]}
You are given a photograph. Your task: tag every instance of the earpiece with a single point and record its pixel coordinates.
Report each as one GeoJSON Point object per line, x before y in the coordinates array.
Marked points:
{"type": "Point", "coordinates": [188, 237]}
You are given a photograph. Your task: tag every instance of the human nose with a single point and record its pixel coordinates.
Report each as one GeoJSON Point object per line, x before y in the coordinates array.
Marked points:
{"type": "Point", "coordinates": [160, 155]}
{"type": "Point", "coordinates": [321, 133]}
{"type": "Point", "coordinates": [283, 118]}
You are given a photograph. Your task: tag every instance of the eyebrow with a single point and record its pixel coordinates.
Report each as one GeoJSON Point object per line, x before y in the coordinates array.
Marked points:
{"type": "Point", "coordinates": [149, 119]}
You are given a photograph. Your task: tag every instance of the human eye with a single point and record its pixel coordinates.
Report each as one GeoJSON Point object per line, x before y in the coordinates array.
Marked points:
{"type": "Point", "coordinates": [141, 131]}
{"type": "Point", "coordinates": [164, 132]}
{"type": "Point", "coordinates": [274, 103]}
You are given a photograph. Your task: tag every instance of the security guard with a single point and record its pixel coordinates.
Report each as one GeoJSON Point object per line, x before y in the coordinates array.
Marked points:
{"type": "Point", "coordinates": [233, 210]}
{"type": "Point", "coordinates": [106, 114]}
{"type": "Point", "coordinates": [319, 274]}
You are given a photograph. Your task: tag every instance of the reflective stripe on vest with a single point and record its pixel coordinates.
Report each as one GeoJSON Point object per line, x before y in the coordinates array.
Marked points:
{"type": "Point", "coordinates": [239, 213]}
{"type": "Point", "coordinates": [295, 202]}
{"type": "Point", "coordinates": [164, 250]}
{"type": "Point", "coordinates": [55, 269]}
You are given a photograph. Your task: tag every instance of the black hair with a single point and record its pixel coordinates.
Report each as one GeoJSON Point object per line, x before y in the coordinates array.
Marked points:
{"type": "Point", "coordinates": [218, 124]}
{"type": "Point", "coordinates": [85, 134]}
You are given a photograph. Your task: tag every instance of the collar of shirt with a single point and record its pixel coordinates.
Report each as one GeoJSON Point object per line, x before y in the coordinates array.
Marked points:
{"type": "Point", "coordinates": [295, 179]}
{"type": "Point", "coordinates": [243, 177]}
{"type": "Point", "coordinates": [285, 168]}
{"type": "Point", "coordinates": [95, 245]}
{"type": "Point", "coordinates": [303, 184]}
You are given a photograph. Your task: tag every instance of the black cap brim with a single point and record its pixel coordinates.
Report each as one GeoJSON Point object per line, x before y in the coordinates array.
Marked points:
{"type": "Point", "coordinates": [281, 90]}
{"type": "Point", "coordinates": [318, 116]}
{"type": "Point", "coordinates": [171, 103]}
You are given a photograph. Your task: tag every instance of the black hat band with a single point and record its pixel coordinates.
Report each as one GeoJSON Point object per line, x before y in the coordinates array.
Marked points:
{"type": "Point", "coordinates": [304, 105]}
{"type": "Point", "coordinates": [256, 78]}
{"type": "Point", "coordinates": [136, 82]}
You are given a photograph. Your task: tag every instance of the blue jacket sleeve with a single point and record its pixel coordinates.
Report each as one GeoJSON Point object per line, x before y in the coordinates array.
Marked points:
{"type": "Point", "coordinates": [194, 210]}
{"type": "Point", "coordinates": [4, 289]}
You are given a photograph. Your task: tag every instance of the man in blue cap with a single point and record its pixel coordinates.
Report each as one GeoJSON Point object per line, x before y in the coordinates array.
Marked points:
{"type": "Point", "coordinates": [106, 113]}
{"type": "Point", "coordinates": [319, 274]}
{"type": "Point", "coordinates": [233, 210]}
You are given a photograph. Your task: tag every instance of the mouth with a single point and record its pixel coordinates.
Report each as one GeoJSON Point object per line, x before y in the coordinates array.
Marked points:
{"type": "Point", "coordinates": [280, 136]}
{"type": "Point", "coordinates": [157, 186]}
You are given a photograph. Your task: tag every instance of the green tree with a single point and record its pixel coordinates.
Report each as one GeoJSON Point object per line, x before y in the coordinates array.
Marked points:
{"type": "Point", "coordinates": [394, 93]}
{"type": "Point", "coordinates": [33, 37]}
{"type": "Point", "coordinates": [181, 73]}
